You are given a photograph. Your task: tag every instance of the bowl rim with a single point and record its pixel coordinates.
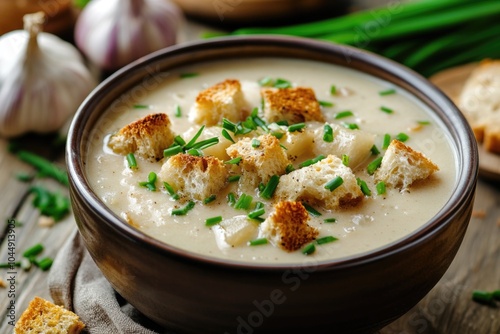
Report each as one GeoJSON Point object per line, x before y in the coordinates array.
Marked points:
{"type": "Point", "coordinates": [465, 147]}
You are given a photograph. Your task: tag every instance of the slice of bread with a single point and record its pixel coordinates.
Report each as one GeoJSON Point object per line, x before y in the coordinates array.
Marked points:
{"type": "Point", "coordinates": [194, 177]}
{"type": "Point", "coordinates": [307, 184]}
{"type": "Point", "coordinates": [401, 166]}
{"type": "Point", "coordinates": [480, 103]}
{"type": "Point", "coordinates": [287, 227]}
{"type": "Point", "coordinates": [42, 316]}
{"type": "Point", "coordinates": [258, 164]}
{"type": "Point", "coordinates": [146, 137]}
{"type": "Point", "coordinates": [223, 100]}
{"type": "Point", "coordinates": [294, 105]}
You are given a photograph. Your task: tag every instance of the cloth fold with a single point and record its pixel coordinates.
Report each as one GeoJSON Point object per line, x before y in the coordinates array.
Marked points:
{"type": "Point", "coordinates": [76, 282]}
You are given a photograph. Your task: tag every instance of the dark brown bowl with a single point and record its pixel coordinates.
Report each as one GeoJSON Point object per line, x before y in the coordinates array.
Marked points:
{"type": "Point", "coordinates": [193, 293]}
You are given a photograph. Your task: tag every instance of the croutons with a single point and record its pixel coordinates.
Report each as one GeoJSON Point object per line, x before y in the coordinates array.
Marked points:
{"type": "Point", "coordinates": [294, 105]}
{"type": "Point", "coordinates": [258, 164]}
{"type": "Point", "coordinates": [146, 137]}
{"type": "Point", "coordinates": [223, 100]}
{"type": "Point", "coordinates": [42, 316]}
{"type": "Point", "coordinates": [356, 144]}
{"type": "Point", "coordinates": [287, 226]}
{"type": "Point", "coordinates": [194, 177]}
{"type": "Point", "coordinates": [307, 184]}
{"type": "Point", "coordinates": [401, 166]}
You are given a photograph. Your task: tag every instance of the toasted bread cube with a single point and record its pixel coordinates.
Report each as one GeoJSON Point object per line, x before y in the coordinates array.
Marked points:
{"type": "Point", "coordinates": [491, 141]}
{"type": "Point", "coordinates": [42, 316]}
{"type": "Point", "coordinates": [307, 184]}
{"type": "Point", "coordinates": [401, 166]}
{"type": "Point", "coordinates": [287, 227]}
{"type": "Point", "coordinates": [258, 164]}
{"type": "Point", "coordinates": [146, 137]}
{"type": "Point", "coordinates": [223, 100]}
{"type": "Point", "coordinates": [356, 144]}
{"type": "Point", "coordinates": [294, 105]}
{"type": "Point", "coordinates": [194, 177]}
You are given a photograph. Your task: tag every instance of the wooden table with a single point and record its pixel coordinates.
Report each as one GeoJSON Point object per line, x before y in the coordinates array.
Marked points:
{"type": "Point", "coordinates": [448, 308]}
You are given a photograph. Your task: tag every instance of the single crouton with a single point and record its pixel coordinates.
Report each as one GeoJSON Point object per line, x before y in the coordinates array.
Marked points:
{"type": "Point", "coordinates": [294, 105]}
{"type": "Point", "coordinates": [258, 164]}
{"type": "Point", "coordinates": [42, 316]}
{"type": "Point", "coordinates": [146, 137]}
{"type": "Point", "coordinates": [356, 144]}
{"type": "Point", "coordinates": [491, 134]}
{"type": "Point", "coordinates": [194, 177]}
{"type": "Point", "coordinates": [223, 100]}
{"type": "Point", "coordinates": [287, 228]}
{"type": "Point", "coordinates": [307, 184]}
{"type": "Point", "coordinates": [401, 166]}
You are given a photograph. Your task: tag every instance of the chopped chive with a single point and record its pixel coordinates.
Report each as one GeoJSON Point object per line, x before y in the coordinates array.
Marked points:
{"type": "Point", "coordinates": [343, 114]}
{"type": "Point", "coordinates": [243, 202]}
{"type": "Point", "coordinates": [387, 92]}
{"type": "Point", "coordinates": [259, 205]}
{"type": "Point", "coordinates": [44, 263]}
{"type": "Point", "coordinates": [209, 199]}
{"type": "Point", "coordinates": [194, 151]}
{"type": "Point", "coordinates": [330, 220]}
{"type": "Point", "coordinates": [364, 187]}
{"type": "Point", "coordinates": [233, 178]}
{"type": "Point", "coordinates": [296, 127]}
{"type": "Point", "coordinates": [24, 177]}
{"type": "Point", "coordinates": [132, 163]}
{"type": "Point", "coordinates": [172, 151]}
{"type": "Point", "coordinates": [255, 143]}
{"type": "Point", "coordinates": [325, 103]}
{"type": "Point", "coordinates": [195, 138]}
{"type": "Point", "coordinates": [309, 249]}
{"type": "Point", "coordinates": [256, 213]}
{"type": "Point", "coordinates": [260, 123]}
{"type": "Point", "coordinates": [188, 75]}
{"type": "Point", "coordinates": [178, 111]}
{"type": "Point", "coordinates": [483, 297]}
{"type": "Point", "coordinates": [141, 106]}
{"type": "Point", "coordinates": [424, 122]}
{"type": "Point", "coordinates": [234, 161]}
{"type": "Point", "coordinates": [228, 125]}
{"type": "Point", "coordinates": [334, 183]}
{"type": "Point", "coordinates": [231, 199]}
{"type": "Point", "coordinates": [386, 110]}
{"type": "Point", "coordinates": [381, 189]}
{"type": "Point", "coordinates": [327, 133]}
{"type": "Point", "coordinates": [152, 177]}
{"type": "Point", "coordinates": [312, 211]}
{"type": "Point", "coordinates": [375, 150]}
{"type": "Point", "coordinates": [184, 210]}
{"type": "Point", "coordinates": [205, 143]}
{"type": "Point", "coordinates": [387, 141]}
{"type": "Point", "coordinates": [326, 240]}
{"type": "Point", "coordinates": [333, 90]}
{"type": "Point", "coordinates": [311, 161]}
{"type": "Point", "coordinates": [352, 126]}
{"type": "Point", "coordinates": [345, 160]}
{"type": "Point", "coordinates": [33, 251]}
{"type": "Point", "coordinates": [374, 165]}
{"type": "Point", "coordinates": [289, 169]}
{"type": "Point", "coordinates": [282, 83]}
{"type": "Point", "coordinates": [278, 134]}
{"type": "Point", "coordinates": [402, 137]}
{"type": "Point", "coordinates": [9, 265]}
{"type": "Point", "coordinates": [226, 135]}
{"type": "Point", "coordinates": [261, 186]}
{"type": "Point", "coordinates": [171, 191]}
{"type": "Point", "coordinates": [283, 122]}
{"type": "Point", "coordinates": [270, 187]}
{"type": "Point", "coordinates": [213, 221]}
{"type": "Point", "coordinates": [179, 141]}
{"type": "Point", "coordinates": [496, 294]}
{"type": "Point", "coordinates": [266, 82]}
{"type": "Point", "coordinates": [44, 166]}
{"type": "Point", "coordinates": [257, 242]}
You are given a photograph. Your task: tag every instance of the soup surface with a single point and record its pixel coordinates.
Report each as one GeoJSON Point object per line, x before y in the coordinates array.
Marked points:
{"type": "Point", "coordinates": [377, 221]}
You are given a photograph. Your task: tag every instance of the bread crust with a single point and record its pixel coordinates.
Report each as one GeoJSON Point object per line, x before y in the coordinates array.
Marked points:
{"type": "Point", "coordinates": [294, 105]}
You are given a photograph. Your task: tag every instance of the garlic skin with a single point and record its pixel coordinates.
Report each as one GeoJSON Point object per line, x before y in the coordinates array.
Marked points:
{"type": "Point", "coordinates": [43, 80]}
{"type": "Point", "coordinates": [113, 33]}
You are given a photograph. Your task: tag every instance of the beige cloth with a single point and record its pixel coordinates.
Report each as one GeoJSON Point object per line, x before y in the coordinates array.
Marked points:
{"type": "Point", "coordinates": [77, 283]}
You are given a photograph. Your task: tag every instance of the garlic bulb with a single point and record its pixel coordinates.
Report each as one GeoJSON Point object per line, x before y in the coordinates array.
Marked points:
{"type": "Point", "coordinates": [42, 80]}
{"type": "Point", "coordinates": [113, 33]}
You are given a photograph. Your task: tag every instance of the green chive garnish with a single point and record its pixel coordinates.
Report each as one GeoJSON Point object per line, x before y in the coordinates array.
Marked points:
{"type": "Point", "coordinates": [296, 127]}
{"type": "Point", "coordinates": [343, 114]}
{"type": "Point", "coordinates": [334, 183]}
{"type": "Point", "coordinates": [326, 240]}
{"type": "Point", "coordinates": [188, 75]}
{"type": "Point", "coordinates": [179, 141]}
{"type": "Point", "coordinates": [327, 133]}
{"type": "Point", "coordinates": [171, 190]}
{"type": "Point", "coordinates": [172, 151]}
{"type": "Point", "coordinates": [228, 125]}
{"type": "Point", "coordinates": [194, 139]}
{"type": "Point", "coordinates": [311, 161]}
{"type": "Point", "coordinates": [44, 263]}
{"type": "Point", "coordinates": [402, 137]}
{"type": "Point", "coordinates": [352, 126]}
{"type": "Point", "coordinates": [325, 103]}
{"type": "Point", "coordinates": [312, 211]}
{"type": "Point", "coordinates": [375, 150]}
{"type": "Point", "coordinates": [226, 135]}
{"type": "Point", "coordinates": [141, 106]}
{"type": "Point", "coordinates": [283, 122]}
{"type": "Point", "coordinates": [184, 210]}
{"type": "Point", "coordinates": [266, 82]}
{"type": "Point", "coordinates": [308, 249]}
{"type": "Point", "coordinates": [270, 187]}
{"type": "Point", "coordinates": [483, 297]}
{"type": "Point", "coordinates": [234, 178]}
{"type": "Point", "coordinates": [213, 221]}
{"type": "Point", "coordinates": [132, 163]}
{"type": "Point", "coordinates": [387, 141]}
{"type": "Point", "coordinates": [330, 220]}
{"type": "Point", "coordinates": [231, 198]}
{"type": "Point", "coordinates": [333, 90]}
{"type": "Point", "coordinates": [282, 83]}
{"type": "Point", "coordinates": [257, 242]}
{"type": "Point", "coordinates": [386, 110]}
{"type": "Point", "coordinates": [374, 165]}
{"type": "Point", "coordinates": [256, 213]}
{"type": "Point", "coordinates": [7, 265]}
{"type": "Point", "coordinates": [345, 160]}
{"type": "Point", "coordinates": [424, 122]}
{"type": "Point", "coordinates": [24, 177]}
{"type": "Point", "coordinates": [243, 202]}
{"type": "Point", "coordinates": [33, 251]}
{"type": "Point", "coordinates": [381, 189]}
{"type": "Point", "coordinates": [234, 161]}
{"type": "Point", "coordinates": [178, 111]}
{"type": "Point", "coordinates": [209, 199]}
{"type": "Point", "coordinates": [387, 92]}
{"type": "Point", "coordinates": [150, 183]}
{"type": "Point", "coordinates": [289, 169]}
{"type": "Point", "coordinates": [364, 187]}
{"type": "Point", "coordinates": [255, 143]}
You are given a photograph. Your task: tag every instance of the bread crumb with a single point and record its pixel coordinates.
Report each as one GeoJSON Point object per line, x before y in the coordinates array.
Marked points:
{"type": "Point", "coordinates": [3, 284]}
{"type": "Point", "coordinates": [294, 105]}
{"type": "Point", "coordinates": [45, 221]}
{"type": "Point", "coordinates": [479, 214]}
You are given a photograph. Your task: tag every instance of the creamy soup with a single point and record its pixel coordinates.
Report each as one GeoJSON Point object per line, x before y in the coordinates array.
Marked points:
{"type": "Point", "coordinates": [373, 223]}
